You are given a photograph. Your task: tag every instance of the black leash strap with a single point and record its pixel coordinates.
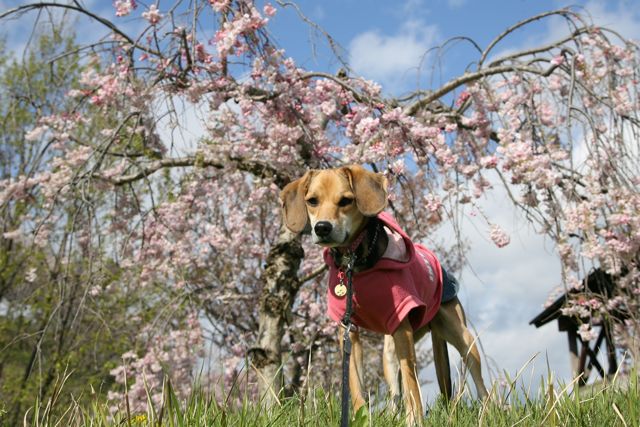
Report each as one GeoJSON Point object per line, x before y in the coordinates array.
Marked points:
{"type": "Point", "coordinates": [346, 343]}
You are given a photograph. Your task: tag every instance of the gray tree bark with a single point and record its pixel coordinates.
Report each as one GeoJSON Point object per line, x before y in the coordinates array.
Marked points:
{"type": "Point", "coordinates": [280, 286]}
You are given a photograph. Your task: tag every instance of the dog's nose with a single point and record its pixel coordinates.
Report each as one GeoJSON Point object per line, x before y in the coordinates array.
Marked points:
{"type": "Point", "coordinates": [322, 228]}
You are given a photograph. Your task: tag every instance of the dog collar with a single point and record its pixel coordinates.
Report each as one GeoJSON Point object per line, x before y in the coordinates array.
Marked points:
{"type": "Point", "coordinates": [354, 245]}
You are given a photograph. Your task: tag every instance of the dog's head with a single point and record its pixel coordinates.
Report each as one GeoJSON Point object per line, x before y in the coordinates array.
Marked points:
{"type": "Point", "coordinates": [334, 203]}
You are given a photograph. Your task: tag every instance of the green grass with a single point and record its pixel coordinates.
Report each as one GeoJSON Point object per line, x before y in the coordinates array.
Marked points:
{"type": "Point", "coordinates": [551, 406]}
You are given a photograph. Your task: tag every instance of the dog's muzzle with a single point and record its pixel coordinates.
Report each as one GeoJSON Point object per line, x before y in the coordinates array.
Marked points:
{"type": "Point", "coordinates": [327, 234]}
{"type": "Point", "coordinates": [323, 229]}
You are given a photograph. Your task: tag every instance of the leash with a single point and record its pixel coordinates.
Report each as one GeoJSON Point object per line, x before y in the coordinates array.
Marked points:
{"type": "Point", "coordinates": [346, 343]}
{"type": "Point", "coordinates": [346, 323]}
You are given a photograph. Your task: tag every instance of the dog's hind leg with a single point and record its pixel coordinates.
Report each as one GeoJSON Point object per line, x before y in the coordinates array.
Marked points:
{"type": "Point", "coordinates": [441, 360]}
{"type": "Point", "coordinates": [450, 324]}
{"type": "Point", "coordinates": [391, 370]}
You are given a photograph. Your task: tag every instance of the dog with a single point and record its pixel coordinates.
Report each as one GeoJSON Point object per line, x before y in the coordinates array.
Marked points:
{"type": "Point", "coordinates": [343, 210]}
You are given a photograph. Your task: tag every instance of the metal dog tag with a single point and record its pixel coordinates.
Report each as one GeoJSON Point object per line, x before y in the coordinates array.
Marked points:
{"type": "Point", "coordinates": [340, 290]}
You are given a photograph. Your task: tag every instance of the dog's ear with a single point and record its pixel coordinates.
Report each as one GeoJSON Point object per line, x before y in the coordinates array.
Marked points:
{"type": "Point", "coordinates": [370, 189]}
{"type": "Point", "coordinates": [293, 205]}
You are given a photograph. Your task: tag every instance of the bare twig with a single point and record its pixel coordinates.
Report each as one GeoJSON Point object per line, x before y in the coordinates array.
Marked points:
{"type": "Point", "coordinates": [110, 25]}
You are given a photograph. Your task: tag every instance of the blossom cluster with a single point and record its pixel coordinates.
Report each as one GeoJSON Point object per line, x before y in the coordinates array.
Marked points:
{"type": "Point", "coordinates": [169, 358]}
{"type": "Point", "coordinates": [124, 7]}
{"type": "Point", "coordinates": [229, 39]}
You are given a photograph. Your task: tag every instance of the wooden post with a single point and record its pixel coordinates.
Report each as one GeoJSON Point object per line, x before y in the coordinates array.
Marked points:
{"type": "Point", "coordinates": [582, 365]}
{"type": "Point", "coordinates": [593, 354]}
{"type": "Point", "coordinates": [611, 349]}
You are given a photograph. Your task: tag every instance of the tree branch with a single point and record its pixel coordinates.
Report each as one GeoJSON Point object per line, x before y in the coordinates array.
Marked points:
{"type": "Point", "coordinates": [471, 77]}
{"type": "Point", "coordinates": [505, 33]}
{"type": "Point", "coordinates": [356, 94]}
{"type": "Point", "coordinates": [315, 273]}
{"type": "Point", "coordinates": [254, 167]}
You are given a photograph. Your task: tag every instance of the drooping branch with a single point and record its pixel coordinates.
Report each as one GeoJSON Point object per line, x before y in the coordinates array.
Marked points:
{"type": "Point", "coordinates": [533, 51]}
{"type": "Point", "coordinates": [342, 82]}
{"type": "Point", "coordinates": [256, 168]}
{"type": "Point", "coordinates": [451, 85]}
{"type": "Point", "coordinates": [505, 33]}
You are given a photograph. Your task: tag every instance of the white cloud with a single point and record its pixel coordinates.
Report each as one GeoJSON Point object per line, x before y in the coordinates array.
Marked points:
{"type": "Point", "coordinates": [620, 17]}
{"type": "Point", "coordinates": [456, 4]}
{"type": "Point", "coordinates": [411, 8]}
{"type": "Point", "coordinates": [393, 60]}
{"type": "Point", "coordinates": [319, 12]}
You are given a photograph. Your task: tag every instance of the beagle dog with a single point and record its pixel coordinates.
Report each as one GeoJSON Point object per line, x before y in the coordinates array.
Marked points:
{"type": "Point", "coordinates": [343, 208]}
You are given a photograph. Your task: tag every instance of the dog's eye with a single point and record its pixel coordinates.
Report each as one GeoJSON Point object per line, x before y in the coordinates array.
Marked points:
{"type": "Point", "coordinates": [312, 201]}
{"type": "Point", "coordinates": [345, 201]}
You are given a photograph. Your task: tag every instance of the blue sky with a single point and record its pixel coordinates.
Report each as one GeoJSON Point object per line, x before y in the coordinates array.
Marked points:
{"type": "Point", "coordinates": [385, 41]}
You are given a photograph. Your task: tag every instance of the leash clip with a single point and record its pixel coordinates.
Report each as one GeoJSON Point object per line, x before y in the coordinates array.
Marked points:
{"type": "Point", "coordinates": [348, 327]}
{"type": "Point", "coordinates": [346, 338]}
{"type": "Point", "coordinates": [351, 262]}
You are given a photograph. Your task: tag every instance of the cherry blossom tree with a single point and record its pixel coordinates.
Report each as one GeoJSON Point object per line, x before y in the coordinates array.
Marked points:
{"type": "Point", "coordinates": [197, 225]}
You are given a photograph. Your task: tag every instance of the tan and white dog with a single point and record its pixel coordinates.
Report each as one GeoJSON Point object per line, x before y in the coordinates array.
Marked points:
{"type": "Point", "coordinates": [337, 205]}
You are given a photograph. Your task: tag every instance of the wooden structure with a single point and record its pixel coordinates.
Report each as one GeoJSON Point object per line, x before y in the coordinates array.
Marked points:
{"type": "Point", "coordinates": [585, 359]}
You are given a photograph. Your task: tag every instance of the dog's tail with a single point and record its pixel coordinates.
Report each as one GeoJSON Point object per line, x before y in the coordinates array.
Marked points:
{"type": "Point", "coordinates": [441, 360]}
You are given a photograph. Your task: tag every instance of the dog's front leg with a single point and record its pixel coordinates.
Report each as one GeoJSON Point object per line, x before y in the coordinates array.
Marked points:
{"type": "Point", "coordinates": [391, 370]}
{"type": "Point", "coordinates": [356, 378]}
{"type": "Point", "coordinates": [406, 352]}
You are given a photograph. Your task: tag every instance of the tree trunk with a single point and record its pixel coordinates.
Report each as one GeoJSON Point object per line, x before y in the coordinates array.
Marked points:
{"type": "Point", "coordinates": [280, 285]}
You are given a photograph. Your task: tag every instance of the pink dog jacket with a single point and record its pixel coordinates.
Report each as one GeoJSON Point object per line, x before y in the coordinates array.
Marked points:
{"type": "Point", "coordinates": [392, 290]}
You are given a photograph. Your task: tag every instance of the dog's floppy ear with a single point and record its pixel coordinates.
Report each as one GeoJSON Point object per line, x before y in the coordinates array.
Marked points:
{"type": "Point", "coordinates": [370, 189]}
{"type": "Point", "coordinates": [293, 204]}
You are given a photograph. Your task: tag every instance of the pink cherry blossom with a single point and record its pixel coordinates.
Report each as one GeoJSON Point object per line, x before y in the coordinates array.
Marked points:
{"type": "Point", "coordinates": [586, 332]}
{"type": "Point", "coordinates": [499, 237]}
{"type": "Point", "coordinates": [124, 7]}
{"type": "Point", "coordinates": [219, 5]}
{"type": "Point", "coordinates": [269, 10]}
{"type": "Point", "coordinates": [152, 15]}
{"type": "Point", "coordinates": [557, 60]}
{"type": "Point", "coordinates": [36, 133]}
